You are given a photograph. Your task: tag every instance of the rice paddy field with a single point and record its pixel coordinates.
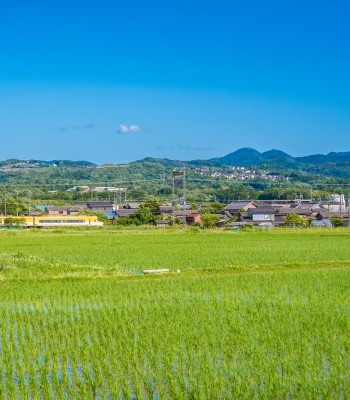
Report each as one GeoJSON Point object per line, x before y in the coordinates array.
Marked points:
{"type": "Point", "coordinates": [251, 315]}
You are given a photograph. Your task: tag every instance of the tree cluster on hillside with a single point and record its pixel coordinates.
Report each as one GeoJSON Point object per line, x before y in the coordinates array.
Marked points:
{"type": "Point", "coordinates": [146, 178]}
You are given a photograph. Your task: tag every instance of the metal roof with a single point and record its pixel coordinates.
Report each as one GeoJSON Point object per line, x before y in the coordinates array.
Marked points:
{"type": "Point", "coordinates": [262, 210]}
{"type": "Point", "coordinates": [99, 204]}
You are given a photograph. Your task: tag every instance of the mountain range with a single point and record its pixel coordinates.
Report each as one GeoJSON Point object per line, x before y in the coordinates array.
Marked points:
{"type": "Point", "coordinates": [241, 158]}
{"type": "Point", "coordinates": [248, 156]}
{"type": "Point", "coordinates": [333, 164]}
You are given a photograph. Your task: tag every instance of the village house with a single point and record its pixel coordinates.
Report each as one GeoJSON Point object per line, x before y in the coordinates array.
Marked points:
{"type": "Point", "coordinates": [303, 212]}
{"type": "Point", "coordinates": [62, 210]}
{"type": "Point", "coordinates": [259, 216]}
{"type": "Point", "coordinates": [262, 214]}
{"type": "Point", "coordinates": [124, 212]}
{"type": "Point", "coordinates": [240, 205]}
{"type": "Point", "coordinates": [129, 206]}
{"type": "Point", "coordinates": [166, 210]}
{"type": "Point", "coordinates": [34, 213]}
{"type": "Point", "coordinates": [100, 206]}
{"type": "Point", "coordinates": [193, 218]}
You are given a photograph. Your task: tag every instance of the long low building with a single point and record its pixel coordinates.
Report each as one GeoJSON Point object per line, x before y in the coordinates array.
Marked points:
{"type": "Point", "coordinates": [44, 221]}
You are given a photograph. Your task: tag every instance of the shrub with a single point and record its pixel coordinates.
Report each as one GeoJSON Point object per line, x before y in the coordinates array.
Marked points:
{"type": "Point", "coordinates": [337, 222]}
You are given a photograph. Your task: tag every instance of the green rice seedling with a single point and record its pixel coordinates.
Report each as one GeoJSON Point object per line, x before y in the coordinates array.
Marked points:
{"type": "Point", "coordinates": [276, 330]}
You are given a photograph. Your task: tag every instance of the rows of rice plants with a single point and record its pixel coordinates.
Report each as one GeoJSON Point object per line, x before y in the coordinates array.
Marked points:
{"type": "Point", "coordinates": [277, 334]}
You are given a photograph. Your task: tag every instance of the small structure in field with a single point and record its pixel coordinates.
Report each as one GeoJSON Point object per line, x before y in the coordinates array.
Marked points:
{"type": "Point", "coordinates": [324, 223]}
{"type": "Point", "coordinates": [155, 271]}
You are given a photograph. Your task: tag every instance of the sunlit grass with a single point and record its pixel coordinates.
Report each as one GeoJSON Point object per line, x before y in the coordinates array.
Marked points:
{"type": "Point", "coordinates": [109, 252]}
{"type": "Point", "coordinates": [263, 314]}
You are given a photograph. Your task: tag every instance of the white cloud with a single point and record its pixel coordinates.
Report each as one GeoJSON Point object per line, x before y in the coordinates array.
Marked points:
{"type": "Point", "coordinates": [129, 129]}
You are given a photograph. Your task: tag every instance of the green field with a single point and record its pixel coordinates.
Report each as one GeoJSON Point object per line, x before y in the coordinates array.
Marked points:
{"type": "Point", "coordinates": [107, 252]}
{"type": "Point", "coordinates": [261, 315]}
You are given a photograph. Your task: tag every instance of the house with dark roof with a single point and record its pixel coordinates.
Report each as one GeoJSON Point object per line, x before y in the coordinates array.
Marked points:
{"type": "Point", "coordinates": [250, 219]}
{"type": "Point", "coordinates": [192, 218]}
{"type": "Point", "coordinates": [62, 210]}
{"type": "Point", "coordinates": [75, 210]}
{"type": "Point", "coordinates": [122, 213]}
{"type": "Point", "coordinates": [131, 205]}
{"type": "Point", "coordinates": [34, 213]}
{"type": "Point", "coordinates": [100, 206]}
{"type": "Point", "coordinates": [308, 205]}
{"type": "Point", "coordinates": [166, 209]}
{"type": "Point", "coordinates": [240, 205]}
{"type": "Point", "coordinates": [303, 212]}
{"type": "Point", "coordinates": [262, 214]}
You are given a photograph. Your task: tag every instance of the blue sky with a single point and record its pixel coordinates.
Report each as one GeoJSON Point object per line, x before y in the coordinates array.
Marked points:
{"type": "Point", "coordinates": [116, 81]}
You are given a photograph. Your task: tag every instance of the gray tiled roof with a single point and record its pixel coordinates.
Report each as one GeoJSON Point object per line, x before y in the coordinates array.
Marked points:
{"type": "Point", "coordinates": [163, 209]}
{"type": "Point", "coordinates": [126, 212]}
{"type": "Point", "coordinates": [96, 204]}
{"type": "Point", "coordinates": [76, 208]}
{"type": "Point", "coordinates": [237, 205]}
{"type": "Point", "coordinates": [60, 208]}
{"type": "Point", "coordinates": [261, 210]}
{"type": "Point", "coordinates": [299, 211]}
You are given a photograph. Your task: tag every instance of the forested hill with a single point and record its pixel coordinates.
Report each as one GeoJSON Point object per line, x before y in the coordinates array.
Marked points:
{"type": "Point", "coordinates": [333, 164]}
{"type": "Point", "coordinates": [30, 164]}
{"type": "Point", "coordinates": [248, 156]}
{"type": "Point", "coordinates": [269, 175]}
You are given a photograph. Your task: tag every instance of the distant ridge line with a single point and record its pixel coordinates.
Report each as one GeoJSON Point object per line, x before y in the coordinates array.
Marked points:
{"type": "Point", "coordinates": [245, 156]}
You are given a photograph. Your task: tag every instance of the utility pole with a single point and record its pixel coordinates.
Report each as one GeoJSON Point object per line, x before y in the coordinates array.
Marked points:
{"type": "Point", "coordinates": [29, 196]}
{"type": "Point", "coordinates": [5, 204]}
{"type": "Point", "coordinates": [329, 200]}
{"type": "Point", "coordinates": [177, 175]}
{"type": "Point", "coordinates": [163, 177]}
{"type": "Point", "coordinates": [341, 201]}
{"type": "Point", "coordinates": [184, 185]}
{"type": "Point", "coordinates": [173, 190]}
{"type": "Point", "coordinates": [17, 202]}
{"type": "Point", "coordinates": [173, 198]}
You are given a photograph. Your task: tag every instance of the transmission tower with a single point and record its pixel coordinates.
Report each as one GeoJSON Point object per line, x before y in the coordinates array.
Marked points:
{"type": "Point", "coordinates": [177, 177]}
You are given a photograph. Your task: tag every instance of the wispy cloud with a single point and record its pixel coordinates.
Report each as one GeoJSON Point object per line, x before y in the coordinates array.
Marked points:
{"type": "Point", "coordinates": [125, 129]}
{"type": "Point", "coordinates": [160, 148]}
{"type": "Point", "coordinates": [66, 128]}
{"type": "Point", "coordinates": [180, 147]}
{"type": "Point", "coordinates": [203, 148]}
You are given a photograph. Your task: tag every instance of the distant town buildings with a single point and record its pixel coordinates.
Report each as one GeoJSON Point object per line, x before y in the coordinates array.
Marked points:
{"type": "Point", "coordinates": [267, 213]}
{"type": "Point", "coordinates": [240, 174]}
